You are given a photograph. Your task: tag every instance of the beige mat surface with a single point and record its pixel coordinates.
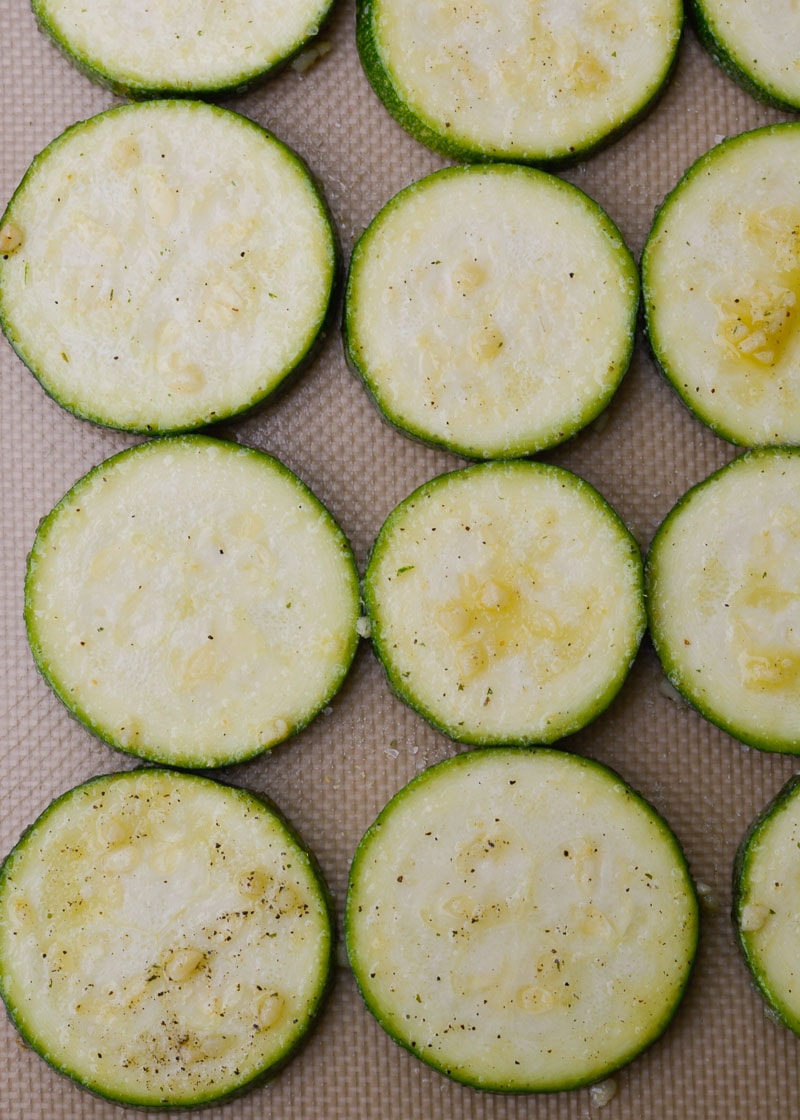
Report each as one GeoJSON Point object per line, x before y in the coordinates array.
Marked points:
{"type": "Point", "coordinates": [722, 1057]}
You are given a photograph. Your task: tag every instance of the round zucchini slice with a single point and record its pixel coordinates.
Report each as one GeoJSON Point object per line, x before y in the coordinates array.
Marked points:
{"type": "Point", "coordinates": [521, 920]}
{"type": "Point", "coordinates": [547, 83]}
{"type": "Point", "coordinates": [165, 265]}
{"type": "Point", "coordinates": [505, 602]}
{"type": "Point", "coordinates": [756, 47]}
{"type": "Point", "coordinates": [765, 902]}
{"type": "Point", "coordinates": [721, 285]}
{"type": "Point", "coordinates": [192, 602]}
{"type": "Point", "coordinates": [187, 48]}
{"type": "Point", "coordinates": [165, 940]}
{"type": "Point", "coordinates": [723, 575]}
{"type": "Point", "coordinates": [491, 310]}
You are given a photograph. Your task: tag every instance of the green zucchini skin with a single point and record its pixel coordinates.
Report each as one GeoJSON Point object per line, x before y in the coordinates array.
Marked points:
{"type": "Point", "coordinates": [454, 351]}
{"type": "Point", "coordinates": [156, 1086]}
{"type": "Point", "coordinates": [775, 902]}
{"type": "Point", "coordinates": [482, 614]}
{"type": "Point", "coordinates": [197, 703]}
{"type": "Point", "coordinates": [215, 266]}
{"type": "Point", "coordinates": [771, 90]}
{"type": "Point", "coordinates": [449, 831]}
{"type": "Point", "coordinates": [104, 70]}
{"type": "Point", "coordinates": [441, 137]}
{"type": "Point", "coordinates": [717, 618]}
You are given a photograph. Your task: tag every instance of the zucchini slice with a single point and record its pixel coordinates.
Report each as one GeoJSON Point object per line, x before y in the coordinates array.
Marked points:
{"type": "Point", "coordinates": [721, 283]}
{"type": "Point", "coordinates": [521, 920]}
{"type": "Point", "coordinates": [165, 265]}
{"type": "Point", "coordinates": [165, 940]}
{"type": "Point", "coordinates": [754, 45]}
{"type": "Point", "coordinates": [192, 602]}
{"type": "Point", "coordinates": [765, 902]}
{"type": "Point", "coordinates": [723, 576]}
{"type": "Point", "coordinates": [548, 82]}
{"type": "Point", "coordinates": [491, 310]}
{"type": "Point", "coordinates": [188, 48]}
{"type": "Point", "coordinates": [505, 602]}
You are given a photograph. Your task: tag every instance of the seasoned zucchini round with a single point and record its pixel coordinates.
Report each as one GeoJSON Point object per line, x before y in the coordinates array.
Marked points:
{"type": "Point", "coordinates": [766, 902]}
{"type": "Point", "coordinates": [491, 310]}
{"type": "Point", "coordinates": [754, 45]}
{"type": "Point", "coordinates": [165, 265]}
{"type": "Point", "coordinates": [192, 602]}
{"type": "Point", "coordinates": [721, 284]}
{"type": "Point", "coordinates": [505, 602]}
{"type": "Point", "coordinates": [521, 919]}
{"type": "Point", "coordinates": [187, 48]}
{"type": "Point", "coordinates": [546, 83]}
{"type": "Point", "coordinates": [723, 574]}
{"type": "Point", "coordinates": [164, 940]}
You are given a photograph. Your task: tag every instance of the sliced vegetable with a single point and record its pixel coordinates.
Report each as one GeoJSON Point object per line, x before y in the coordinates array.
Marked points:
{"type": "Point", "coordinates": [491, 310]}
{"type": "Point", "coordinates": [192, 602]}
{"type": "Point", "coordinates": [165, 265]}
{"type": "Point", "coordinates": [521, 920]}
{"type": "Point", "coordinates": [505, 602]}
{"type": "Point", "coordinates": [164, 940]}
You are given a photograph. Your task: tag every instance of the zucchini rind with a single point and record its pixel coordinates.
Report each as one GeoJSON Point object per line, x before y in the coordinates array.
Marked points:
{"type": "Point", "coordinates": [756, 46]}
{"type": "Point", "coordinates": [491, 310]}
{"type": "Point", "coordinates": [721, 283]}
{"type": "Point", "coordinates": [164, 940]}
{"type": "Point", "coordinates": [188, 48]}
{"type": "Point", "coordinates": [505, 602]}
{"type": "Point", "coordinates": [521, 920]}
{"type": "Point", "coordinates": [723, 575]}
{"type": "Point", "coordinates": [547, 83]}
{"type": "Point", "coordinates": [192, 602]}
{"type": "Point", "coordinates": [165, 265]}
{"type": "Point", "coordinates": [765, 902]}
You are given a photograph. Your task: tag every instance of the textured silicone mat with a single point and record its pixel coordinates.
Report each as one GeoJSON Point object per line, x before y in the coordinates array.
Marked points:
{"type": "Point", "coordinates": [722, 1057]}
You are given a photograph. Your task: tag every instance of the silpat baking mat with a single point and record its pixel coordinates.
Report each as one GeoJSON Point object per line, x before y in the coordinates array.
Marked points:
{"type": "Point", "coordinates": [722, 1056]}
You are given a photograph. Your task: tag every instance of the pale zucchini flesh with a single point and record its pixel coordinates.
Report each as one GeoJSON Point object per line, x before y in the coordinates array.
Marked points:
{"type": "Point", "coordinates": [721, 287]}
{"type": "Point", "coordinates": [546, 83]}
{"type": "Point", "coordinates": [186, 48]}
{"type": "Point", "coordinates": [521, 920]}
{"type": "Point", "coordinates": [165, 265]}
{"type": "Point", "coordinates": [192, 602]}
{"type": "Point", "coordinates": [723, 574]}
{"type": "Point", "coordinates": [491, 310]}
{"type": "Point", "coordinates": [765, 902]}
{"type": "Point", "coordinates": [164, 940]}
{"type": "Point", "coordinates": [505, 602]}
{"type": "Point", "coordinates": [756, 45]}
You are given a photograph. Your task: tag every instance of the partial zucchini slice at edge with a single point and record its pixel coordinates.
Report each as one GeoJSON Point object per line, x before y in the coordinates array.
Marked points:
{"type": "Point", "coordinates": [165, 265]}
{"type": "Point", "coordinates": [505, 602]}
{"type": "Point", "coordinates": [722, 573]}
{"type": "Point", "coordinates": [192, 602]}
{"type": "Point", "coordinates": [164, 940]}
{"type": "Point", "coordinates": [491, 310]}
{"type": "Point", "coordinates": [491, 912]}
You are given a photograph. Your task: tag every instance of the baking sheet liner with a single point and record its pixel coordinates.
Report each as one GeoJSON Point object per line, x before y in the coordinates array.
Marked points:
{"type": "Point", "coordinates": [722, 1056]}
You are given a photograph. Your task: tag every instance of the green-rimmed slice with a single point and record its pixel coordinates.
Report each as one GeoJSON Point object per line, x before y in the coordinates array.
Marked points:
{"type": "Point", "coordinates": [547, 82]}
{"type": "Point", "coordinates": [723, 589]}
{"type": "Point", "coordinates": [192, 602]}
{"type": "Point", "coordinates": [521, 920]}
{"type": "Point", "coordinates": [766, 902]}
{"type": "Point", "coordinates": [721, 284]}
{"type": "Point", "coordinates": [164, 265]}
{"type": "Point", "coordinates": [187, 48]}
{"type": "Point", "coordinates": [756, 45]}
{"type": "Point", "coordinates": [491, 310]}
{"type": "Point", "coordinates": [505, 602]}
{"type": "Point", "coordinates": [165, 940]}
